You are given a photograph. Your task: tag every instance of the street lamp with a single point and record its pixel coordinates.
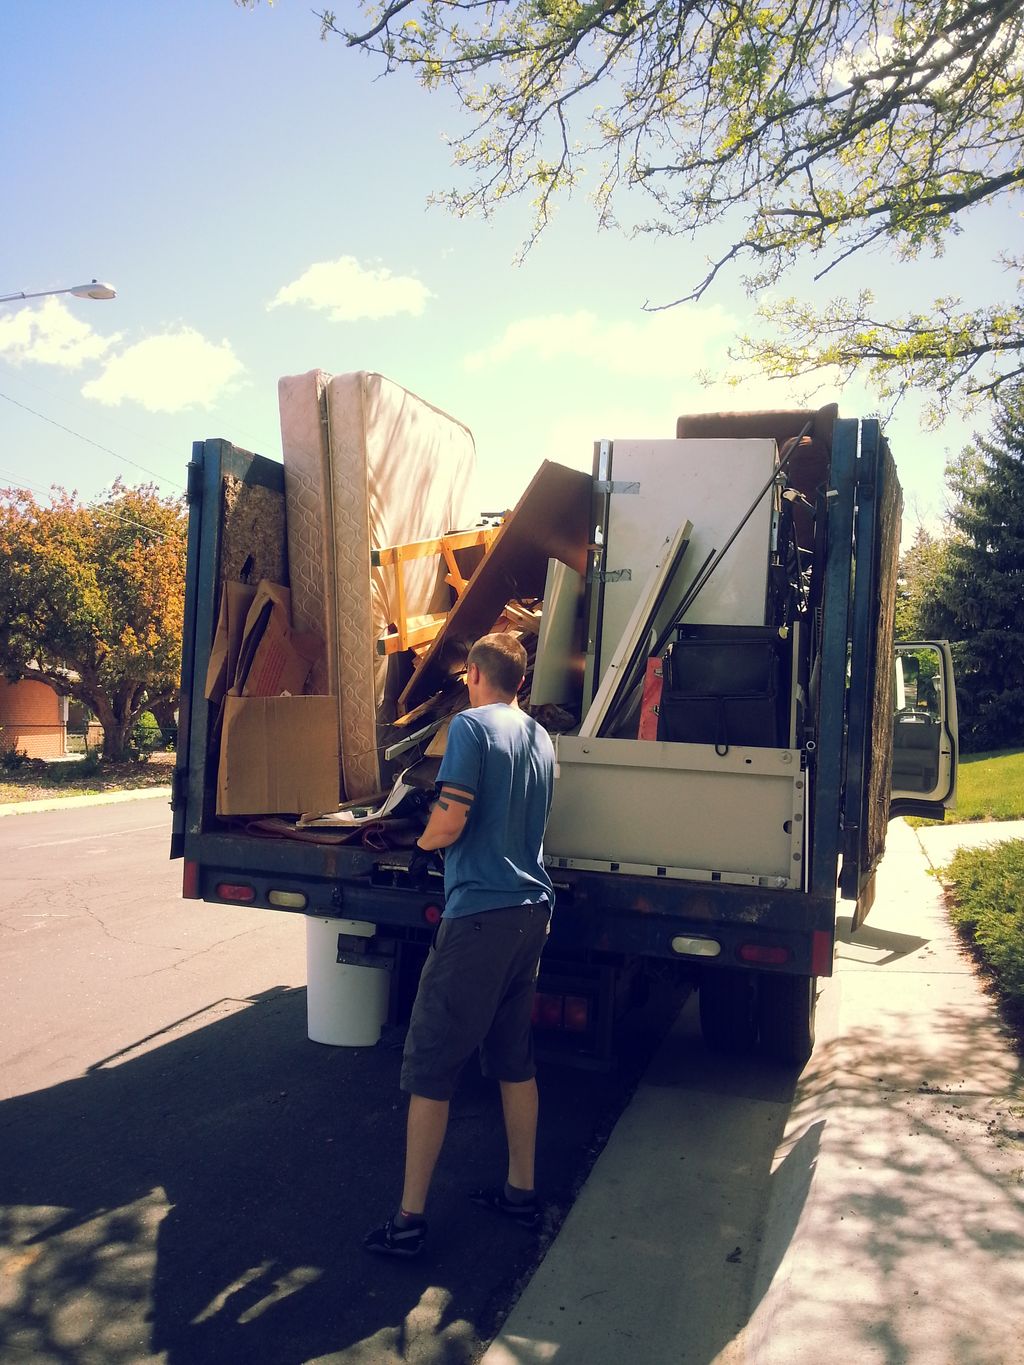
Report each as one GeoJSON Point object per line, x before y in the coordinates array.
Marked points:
{"type": "Point", "coordinates": [93, 290]}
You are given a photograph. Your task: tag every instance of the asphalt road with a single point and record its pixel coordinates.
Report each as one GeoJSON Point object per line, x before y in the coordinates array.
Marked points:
{"type": "Point", "coordinates": [184, 1177]}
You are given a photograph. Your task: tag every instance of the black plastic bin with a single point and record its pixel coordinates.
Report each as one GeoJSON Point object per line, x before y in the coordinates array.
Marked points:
{"type": "Point", "coordinates": [724, 686]}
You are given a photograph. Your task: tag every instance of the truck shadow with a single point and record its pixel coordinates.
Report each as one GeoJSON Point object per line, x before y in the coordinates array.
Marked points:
{"type": "Point", "coordinates": [200, 1197]}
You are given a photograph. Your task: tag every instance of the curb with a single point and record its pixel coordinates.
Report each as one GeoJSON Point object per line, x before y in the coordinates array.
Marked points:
{"type": "Point", "coordinates": [92, 799]}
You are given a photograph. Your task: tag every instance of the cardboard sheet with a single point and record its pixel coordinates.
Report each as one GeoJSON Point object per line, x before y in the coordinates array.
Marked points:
{"type": "Point", "coordinates": [273, 658]}
{"type": "Point", "coordinates": [279, 755]}
{"type": "Point", "coordinates": [235, 600]}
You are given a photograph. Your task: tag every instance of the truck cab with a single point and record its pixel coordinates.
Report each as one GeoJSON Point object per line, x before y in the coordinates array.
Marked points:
{"type": "Point", "coordinates": [924, 740]}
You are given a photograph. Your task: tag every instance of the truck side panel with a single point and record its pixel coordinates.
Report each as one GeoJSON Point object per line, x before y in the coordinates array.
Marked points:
{"type": "Point", "coordinates": [827, 777]}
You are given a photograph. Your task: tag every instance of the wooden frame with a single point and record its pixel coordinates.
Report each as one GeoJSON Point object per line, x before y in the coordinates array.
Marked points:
{"type": "Point", "coordinates": [394, 556]}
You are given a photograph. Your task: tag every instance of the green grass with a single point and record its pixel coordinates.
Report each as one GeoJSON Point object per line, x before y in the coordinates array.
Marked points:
{"type": "Point", "coordinates": [988, 787]}
{"type": "Point", "coordinates": [987, 904]}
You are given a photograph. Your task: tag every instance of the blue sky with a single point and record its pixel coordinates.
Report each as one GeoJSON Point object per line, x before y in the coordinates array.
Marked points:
{"type": "Point", "coordinates": [232, 176]}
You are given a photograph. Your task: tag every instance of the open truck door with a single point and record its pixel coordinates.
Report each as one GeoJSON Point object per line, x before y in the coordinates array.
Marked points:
{"type": "Point", "coordinates": [924, 740]}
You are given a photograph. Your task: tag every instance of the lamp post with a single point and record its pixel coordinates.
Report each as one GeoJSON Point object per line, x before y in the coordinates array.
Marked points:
{"type": "Point", "coordinates": [93, 290]}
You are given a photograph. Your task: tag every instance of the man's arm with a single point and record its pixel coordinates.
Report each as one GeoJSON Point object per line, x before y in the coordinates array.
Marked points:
{"type": "Point", "coordinates": [448, 817]}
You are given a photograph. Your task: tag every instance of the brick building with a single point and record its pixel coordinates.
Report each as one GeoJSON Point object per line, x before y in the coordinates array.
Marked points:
{"type": "Point", "coordinates": [33, 719]}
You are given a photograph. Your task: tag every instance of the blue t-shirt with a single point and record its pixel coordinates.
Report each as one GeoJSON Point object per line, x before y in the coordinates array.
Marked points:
{"type": "Point", "coordinates": [507, 761]}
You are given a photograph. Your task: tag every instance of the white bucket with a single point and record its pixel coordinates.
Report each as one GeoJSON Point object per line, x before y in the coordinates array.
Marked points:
{"type": "Point", "coordinates": [346, 1006]}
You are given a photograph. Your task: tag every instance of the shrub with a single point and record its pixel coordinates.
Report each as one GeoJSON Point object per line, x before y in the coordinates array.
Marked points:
{"type": "Point", "coordinates": [90, 764]}
{"type": "Point", "coordinates": [13, 760]}
{"type": "Point", "coordinates": [146, 736]}
{"type": "Point", "coordinates": [987, 887]}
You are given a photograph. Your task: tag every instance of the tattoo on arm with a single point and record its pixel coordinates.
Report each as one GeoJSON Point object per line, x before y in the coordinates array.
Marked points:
{"type": "Point", "coordinates": [448, 795]}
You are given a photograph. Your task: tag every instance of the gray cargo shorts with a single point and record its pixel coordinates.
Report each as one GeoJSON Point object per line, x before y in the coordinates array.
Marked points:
{"type": "Point", "coordinates": [476, 991]}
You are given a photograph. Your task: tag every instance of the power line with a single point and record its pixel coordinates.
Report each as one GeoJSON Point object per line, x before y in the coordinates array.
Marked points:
{"type": "Point", "coordinates": [99, 511]}
{"type": "Point", "coordinates": [71, 432]}
{"type": "Point", "coordinates": [17, 374]}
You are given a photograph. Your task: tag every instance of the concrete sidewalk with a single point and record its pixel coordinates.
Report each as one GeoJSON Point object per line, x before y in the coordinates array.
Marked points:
{"type": "Point", "coordinates": [90, 799]}
{"type": "Point", "coordinates": [875, 1215]}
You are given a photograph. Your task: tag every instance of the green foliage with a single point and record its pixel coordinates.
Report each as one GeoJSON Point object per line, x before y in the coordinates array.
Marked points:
{"type": "Point", "coordinates": [988, 905]}
{"type": "Point", "coordinates": [990, 786]}
{"type": "Point", "coordinates": [147, 735]}
{"type": "Point", "coordinates": [14, 760]}
{"type": "Point", "coordinates": [968, 587]}
{"type": "Point", "coordinates": [92, 599]}
{"type": "Point", "coordinates": [830, 129]}
{"type": "Point", "coordinates": [919, 570]}
{"type": "Point", "coordinates": [978, 598]}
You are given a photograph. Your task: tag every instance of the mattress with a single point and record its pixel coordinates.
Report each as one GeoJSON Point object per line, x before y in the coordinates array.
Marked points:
{"type": "Point", "coordinates": [400, 471]}
{"type": "Point", "coordinates": [303, 408]}
{"type": "Point", "coordinates": [388, 468]}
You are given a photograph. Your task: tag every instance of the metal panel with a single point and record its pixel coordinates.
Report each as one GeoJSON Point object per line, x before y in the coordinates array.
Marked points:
{"type": "Point", "coordinates": [827, 777]}
{"type": "Point", "coordinates": [713, 482]}
{"type": "Point", "coordinates": [179, 802]}
{"type": "Point", "coordinates": [653, 612]}
{"type": "Point", "coordinates": [644, 807]}
{"type": "Point", "coordinates": [856, 865]}
{"type": "Point", "coordinates": [558, 664]}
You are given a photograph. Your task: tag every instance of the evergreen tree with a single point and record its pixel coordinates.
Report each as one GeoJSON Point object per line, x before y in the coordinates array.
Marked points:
{"type": "Point", "coordinates": [919, 614]}
{"type": "Point", "coordinates": [979, 590]}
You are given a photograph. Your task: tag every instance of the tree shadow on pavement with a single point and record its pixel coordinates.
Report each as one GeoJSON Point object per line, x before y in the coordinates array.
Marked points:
{"type": "Point", "coordinates": [201, 1199]}
{"type": "Point", "coordinates": [910, 1240]}
{"type": "Point", "coordinates": [870, 1209]}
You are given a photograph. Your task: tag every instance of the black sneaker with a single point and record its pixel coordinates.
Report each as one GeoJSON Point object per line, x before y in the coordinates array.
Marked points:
{"type": "Point", "coordinates": [391, 1241]}
{"type": "Point", "coordinates": [525, 1212]}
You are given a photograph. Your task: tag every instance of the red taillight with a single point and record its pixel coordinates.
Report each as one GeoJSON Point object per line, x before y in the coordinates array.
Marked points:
{"type": "Point", "coordinates": [235, 891]}
{"type": "Point", "coordinates": [764, 954]}
{"type": "Point", "coordinates": [432, 914]}
{"type": "Point", "coordinates": [577, 1014]}
{"type": "Point", "coordinates": [190, 880]}
{"type": "Point", "coordinates": [547, 1010]}
{"type": "Point", "coordinates": [822, 952]}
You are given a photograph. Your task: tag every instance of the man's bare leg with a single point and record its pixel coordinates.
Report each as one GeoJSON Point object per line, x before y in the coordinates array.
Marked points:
{"type": "Point", "coordinates": [424, 1136]}
{"type": "Point", "coordinates": [519, 1105]}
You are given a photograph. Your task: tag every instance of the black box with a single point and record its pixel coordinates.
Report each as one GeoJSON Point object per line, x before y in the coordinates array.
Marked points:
{"type": "Point", "coordinates": [724, 686]}
{"type": "Point", "coordinates": [750, 721]}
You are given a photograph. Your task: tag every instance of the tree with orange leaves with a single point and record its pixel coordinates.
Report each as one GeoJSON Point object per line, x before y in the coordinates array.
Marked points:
{"type": "Point", "coordinates": [92, 599]}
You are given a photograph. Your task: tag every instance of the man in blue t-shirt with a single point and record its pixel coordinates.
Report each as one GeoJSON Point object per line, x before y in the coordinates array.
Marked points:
{"type": "Point", "coordinates": [479, 980]}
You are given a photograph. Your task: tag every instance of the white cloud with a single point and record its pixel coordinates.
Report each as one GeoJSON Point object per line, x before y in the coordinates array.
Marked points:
{"type": "Point", "coordinates": [168, 373]}
{"type": "Point", "coordinates": [879, 51]}
{"type": "Point", "coordinates": [349, 291]}
{"type": "Point", "coordinates": [663, 345]}
{"type": "Point", "coordinates": [51, 334]}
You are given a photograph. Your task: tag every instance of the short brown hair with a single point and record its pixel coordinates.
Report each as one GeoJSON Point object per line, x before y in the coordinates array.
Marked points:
{"type": "Point", "coordinates": [502, 661]}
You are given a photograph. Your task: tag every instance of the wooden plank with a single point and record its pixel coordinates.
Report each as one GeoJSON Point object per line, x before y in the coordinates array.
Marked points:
{"type": "Point", "coordinates": [420, 549]}
{"type": "Point", "coordinates": [522, 617]}
{"type": "Point", "coordinates": [550, 521]}
{"type": "Point", "coordinates": [412, 636]}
